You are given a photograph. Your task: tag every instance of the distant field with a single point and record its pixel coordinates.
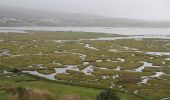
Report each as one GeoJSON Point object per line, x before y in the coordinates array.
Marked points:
{"type": "Point", "coordinates": [78, 63]}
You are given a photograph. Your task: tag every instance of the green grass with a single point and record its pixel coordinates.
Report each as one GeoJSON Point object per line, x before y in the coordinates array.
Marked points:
{"type": "Point", "coordinates": [3, 96]}
{"type": "Point", "coordinates": [56, 88]}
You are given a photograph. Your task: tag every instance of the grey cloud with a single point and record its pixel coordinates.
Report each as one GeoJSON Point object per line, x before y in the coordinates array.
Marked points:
{"type": "Point", "coordinates": [139, 9]}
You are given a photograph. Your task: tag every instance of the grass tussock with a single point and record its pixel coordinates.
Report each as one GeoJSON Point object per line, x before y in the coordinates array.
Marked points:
{"type": "Point", "coordinates": [20, 93]}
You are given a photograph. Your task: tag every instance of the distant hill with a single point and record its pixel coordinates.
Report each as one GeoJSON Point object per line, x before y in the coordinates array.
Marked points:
{"type": "Point", "coordinates": [29, 17]}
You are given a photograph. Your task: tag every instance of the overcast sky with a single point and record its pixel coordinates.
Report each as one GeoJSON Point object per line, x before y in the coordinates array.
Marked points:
{"type": "Point", "coordinates": [139, 9]}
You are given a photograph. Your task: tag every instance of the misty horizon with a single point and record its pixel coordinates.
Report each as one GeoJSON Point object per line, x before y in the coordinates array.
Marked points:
{"type": "Point", "coordinates": [131, 9]}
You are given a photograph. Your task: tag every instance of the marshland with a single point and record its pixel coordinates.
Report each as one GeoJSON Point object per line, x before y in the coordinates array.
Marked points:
{"type": "Point", "coordinates": [84, 50]}
{"type": "Point", "coordinates": [81, 65]}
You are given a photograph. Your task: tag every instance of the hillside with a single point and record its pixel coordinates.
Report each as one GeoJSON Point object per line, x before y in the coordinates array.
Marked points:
{"type": "Point", "coordinates": [30, 17]}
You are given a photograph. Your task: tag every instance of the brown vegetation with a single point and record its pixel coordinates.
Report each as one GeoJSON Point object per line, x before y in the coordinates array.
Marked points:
{"type": "Point", "coordinates": [19, 93]}
{"type": "Point", "coordinates": [128, 78]}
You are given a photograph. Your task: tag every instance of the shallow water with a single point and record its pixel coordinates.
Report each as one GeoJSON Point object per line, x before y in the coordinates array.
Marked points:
{"type": "Point", "coordinates": [88, 70]}
{"type": "Point", "coordinates": [144, 81]}
{"type": "Point", "coordinates": [50, 76]}
{"type": "Point", "coordinates": [167, 98]}
{"type": "Point", "coordinates": [158, 74]}
{"type": "Point", "coordinates": [147, 78]}
{"type": "Point", "coordinates": [167, 59]}
{"type": "Point", "coordinates": [159, 53]}
{"type": "Point", "coordinates": [89, 47]}
{"type": "Point", "coordinates": [123, 31]}
{"type": "Point", "coordinates": [145, 64]}
{"type": "Point", "coordinates": [12, 31]}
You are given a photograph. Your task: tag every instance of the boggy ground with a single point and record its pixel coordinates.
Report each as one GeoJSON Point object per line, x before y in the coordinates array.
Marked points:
{"type": "Point", "coordinates": [137, 68]}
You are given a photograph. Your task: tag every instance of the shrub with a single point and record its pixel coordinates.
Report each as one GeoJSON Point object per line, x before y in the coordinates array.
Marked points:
{"type": "Point", "coordinates": [16, 70]}
{"type": "Point", "coordinates": [107, 95]}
